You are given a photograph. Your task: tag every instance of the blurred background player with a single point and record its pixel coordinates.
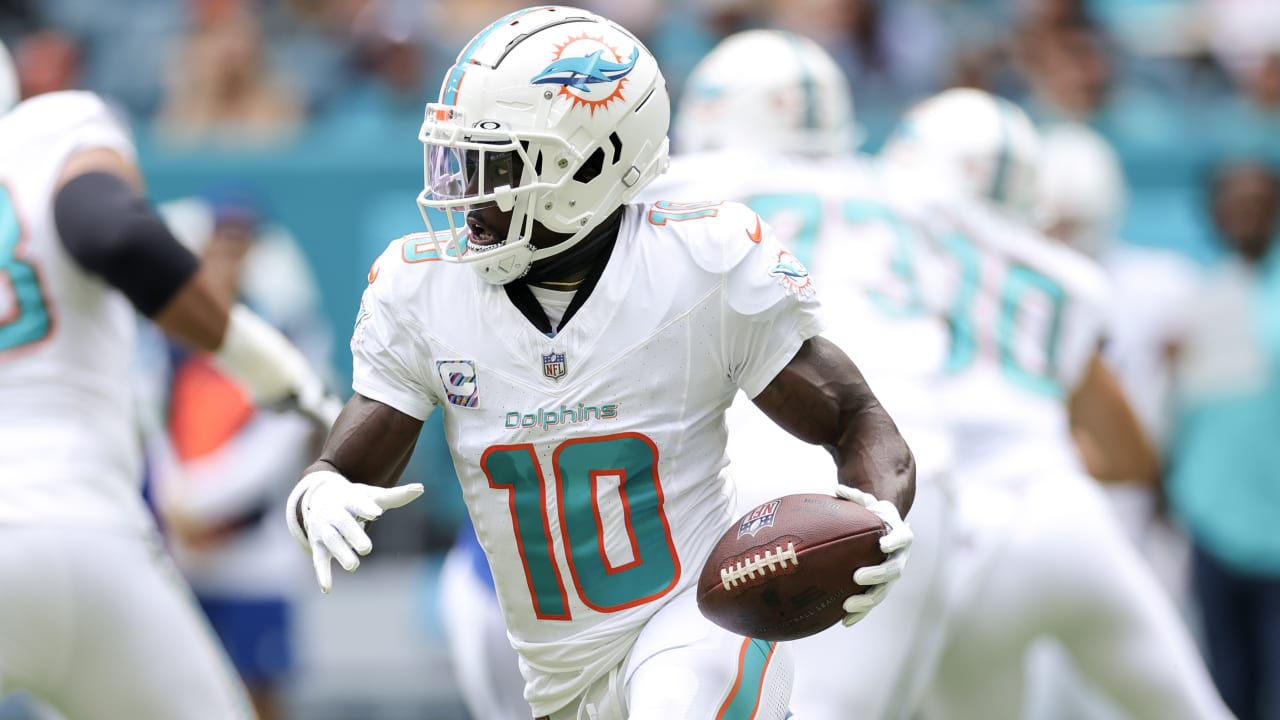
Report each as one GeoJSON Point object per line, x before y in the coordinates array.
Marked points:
{"type": "Point", "coordinates": [93, 619]}
{"type": "Point", "coordinates": [487, 667]}
{"type": "Point", "coordinates": [1081, 201]}
{"type": "Point", "coordinates": [218, 465]}
{"type": "Point", "coordinates": [1082, 198]}
{"type": "Point", "coordinates": [1043, 555]}
{"type": "Point", "coordinates": [767, 119]}
{"type": "Point", "coordinates": [1224, 462]}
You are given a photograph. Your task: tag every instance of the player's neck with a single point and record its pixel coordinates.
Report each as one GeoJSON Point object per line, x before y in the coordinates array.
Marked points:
{"type": "Point", "coordinates": [568, 270]}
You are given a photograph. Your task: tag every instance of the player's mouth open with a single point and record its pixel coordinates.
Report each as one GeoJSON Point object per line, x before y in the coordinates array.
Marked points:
{"type": "Point", "coordinates": [482, 237]}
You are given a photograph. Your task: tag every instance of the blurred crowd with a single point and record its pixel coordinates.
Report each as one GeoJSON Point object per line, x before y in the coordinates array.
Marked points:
{"type": "Point", "coordinates": [1173, 84]}
{"type": "Point", "coordinates": [1165, 80]}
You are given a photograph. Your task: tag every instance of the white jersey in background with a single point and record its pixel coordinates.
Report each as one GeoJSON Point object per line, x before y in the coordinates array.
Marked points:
{"type": "Point", "coordinates": [1026, 316]}
{"type": "Point", "coordinates": [1042, 555]}
{"type": "Point", "coordinates": [583, 499]}
{"type": "Point", "coordinates": [94, 620]}
{"type": "Point", "coordinates": [864, 257]}
{"type": "Point", "coordinates": [68, 450]}
{"type": "Point", "coordinates": [1151, 289]}
{"type": "Point", "coordinates": [834, 214]}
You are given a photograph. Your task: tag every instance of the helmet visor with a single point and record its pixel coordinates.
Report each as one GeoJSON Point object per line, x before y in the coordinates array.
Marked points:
{"type": "Point", "coordinates": [471, 174]}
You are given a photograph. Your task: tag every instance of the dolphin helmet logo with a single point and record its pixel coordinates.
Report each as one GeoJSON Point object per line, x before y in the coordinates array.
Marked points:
{"type": "Point", "coordinates": [588, 71]}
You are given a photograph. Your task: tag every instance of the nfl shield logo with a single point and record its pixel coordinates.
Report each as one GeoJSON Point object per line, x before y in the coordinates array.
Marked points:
{"type": "Point", "coordinates": [553, 365]}
{"type": "Point", "coordinates": [758, 519]}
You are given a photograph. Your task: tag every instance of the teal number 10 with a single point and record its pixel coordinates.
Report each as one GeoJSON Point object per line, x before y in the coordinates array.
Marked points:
{"type": "Point", "coordinates": [28, 319]}
{"type": "Point", "coordinates": [579, 467]}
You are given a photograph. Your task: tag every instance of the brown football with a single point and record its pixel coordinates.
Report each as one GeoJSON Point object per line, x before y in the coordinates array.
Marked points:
{"type": "Point", "coordinates": [784, 569]}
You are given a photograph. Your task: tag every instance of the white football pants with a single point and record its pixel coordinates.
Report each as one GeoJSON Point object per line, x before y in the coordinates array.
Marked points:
{"type": "Point", "coordinates": [100, 625]}
{"type": "Point", "coordinates": [1047, 557]}
{"type": "Point", "coordinates": [485, 665]}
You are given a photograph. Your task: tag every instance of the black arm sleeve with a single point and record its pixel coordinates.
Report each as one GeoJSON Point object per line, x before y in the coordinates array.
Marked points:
{"type": "Point", "coordinates": [110, 231]}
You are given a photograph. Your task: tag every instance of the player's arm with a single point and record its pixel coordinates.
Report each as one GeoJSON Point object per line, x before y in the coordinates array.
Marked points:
{"type": "Point", "coordinates": [362, 459]}
{"type": "Point", "coordinates": [822, 398]}
{"type": "Point", "coordinates": [107, 226]}
{"type": "Point", "coordinates": [1111, 439]}
{"type": "Point", "coordinates": [370, 443]}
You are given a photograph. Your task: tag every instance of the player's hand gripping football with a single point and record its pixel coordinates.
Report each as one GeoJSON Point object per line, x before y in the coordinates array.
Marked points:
{"type": "Point", "coordinates": [327, 513]}
{"type": "Point", "coordinates": [896, 545]}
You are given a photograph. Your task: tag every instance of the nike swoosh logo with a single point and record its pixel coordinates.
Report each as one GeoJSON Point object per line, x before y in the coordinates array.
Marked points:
{"type": "Point", "coordinates": [758, 234]}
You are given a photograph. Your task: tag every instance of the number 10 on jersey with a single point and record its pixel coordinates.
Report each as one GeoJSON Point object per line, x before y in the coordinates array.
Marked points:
{"type": "Point", "coordinates": [583, 471]}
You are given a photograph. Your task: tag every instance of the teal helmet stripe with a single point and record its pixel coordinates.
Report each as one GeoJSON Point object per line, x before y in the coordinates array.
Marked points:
{"type": "Point", "coordinates": [808, 84]}
{"type": "Point", "coordinates": [1004, 157]}
{"type": "Point", "coordinates": [449, 94]}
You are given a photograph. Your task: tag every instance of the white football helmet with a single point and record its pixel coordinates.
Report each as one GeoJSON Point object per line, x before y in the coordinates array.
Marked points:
{"type": "Point", "coordinates": [971, 143]}
{"type": "Point", "coordinates": [767, 89]}
{"type": "Point", "coordinates": [554, 114]}
{"type": "Point", "coordinates": [9, 93]}
{"type": "Point", "coordinates": [1082, 191]}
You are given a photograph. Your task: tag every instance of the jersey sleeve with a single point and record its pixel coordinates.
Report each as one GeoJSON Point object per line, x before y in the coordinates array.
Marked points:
{"type": "Point", "coordinates": [1085, 326]}
{"type": "Point", "coordinates": [385, 353]}
{"type": "Point", "coordinates": [88, 122]}
{"type": "Point", "coordinates": [770, 309]}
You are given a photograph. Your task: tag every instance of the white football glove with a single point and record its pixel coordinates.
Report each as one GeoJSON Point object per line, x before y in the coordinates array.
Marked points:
{"type": "Point", "coordinates": [334, 511]}
{"type": "Point", "coordinates": [273, 369]}
{"type": "Point", "coordinates": [321, 408]}
{"type": "Point", "coordinates": [896, 544]}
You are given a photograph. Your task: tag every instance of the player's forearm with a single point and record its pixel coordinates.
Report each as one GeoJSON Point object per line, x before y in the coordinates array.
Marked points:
{"type": "Point", "coordinates": [370, 443]}
{"type": "Point", "coordinates": [1113, 444]}
{"type": "Point", "coordinates": [196, 316]}
{"type": "Point", "coordinates": [872, 455]}
{"type": "Point", "coordinates": [822, 398]}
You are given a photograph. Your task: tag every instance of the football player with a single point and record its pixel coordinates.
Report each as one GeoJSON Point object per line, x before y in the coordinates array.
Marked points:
{"type": "Point", "coordinates": [93, 618]}
{"type": "Point", "coordinates": [583, 369]}
{"type": "Point", "coordinates": [767, 119]}
{"type": "Point", "coordinates": [1043, 556]}
{"type": "Point", "coordinates": [1081, 199]}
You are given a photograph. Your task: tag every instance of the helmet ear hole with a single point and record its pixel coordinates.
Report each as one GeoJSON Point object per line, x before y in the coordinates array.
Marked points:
{"type": "Point", "coordinates": [617, 147]}
{"type": "Point", "coordinates": [592, 168]}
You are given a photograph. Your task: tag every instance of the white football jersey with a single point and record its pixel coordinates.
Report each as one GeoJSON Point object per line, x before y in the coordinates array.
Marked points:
{"type": "Point", "coordinates": [1152, 289]}
{"type": "Point", "coordinates": [1026, 316]}
{"type": "Point", "coordinates": [837, 218]}
{"type": "Point", "coordinates": [592, 462]}
{"type": "Point", "coordinates": [68, 450]}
